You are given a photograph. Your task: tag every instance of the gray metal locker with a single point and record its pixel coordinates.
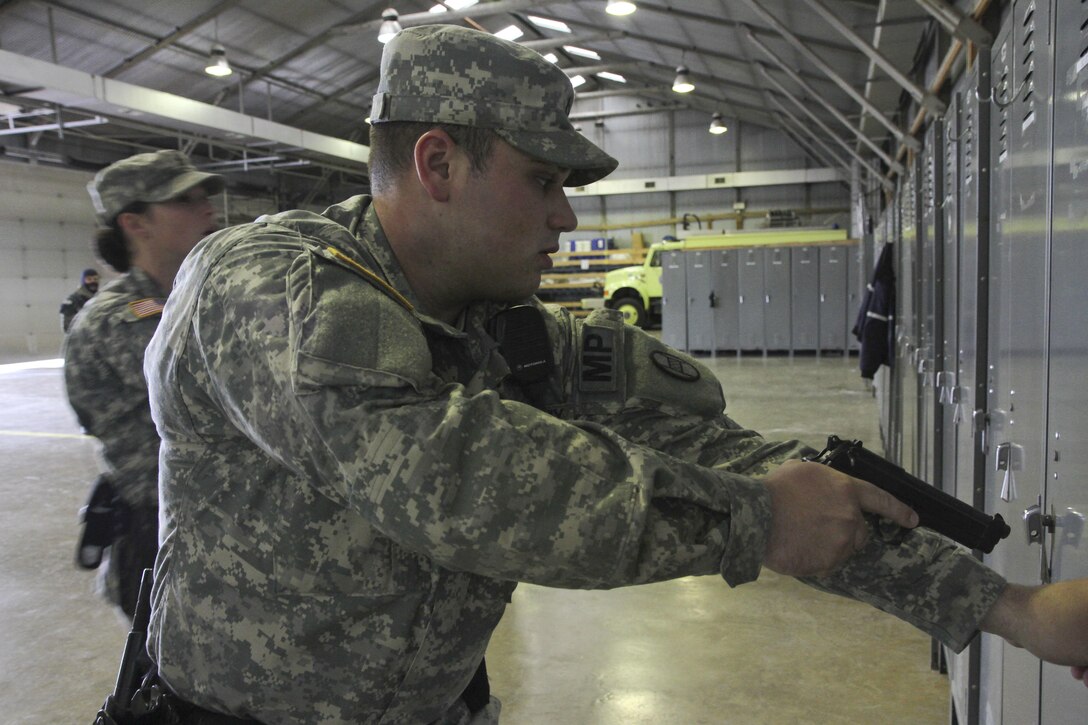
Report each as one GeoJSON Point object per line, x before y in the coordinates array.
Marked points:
{"type": "Point", "coordinates": [905, 388]}
{"type": "Point", "coordinates": [972, 142]}
{"type": "Point", "coordinates": [1017, 331]}
{"type": "Point", "coordinates": [854, 286]}
{"type": "Point", "coordinates": [832, 298]}
{"type": "Point", "coordinates": [700, 311]}
{"type": "Point", "coordinates": [776, 297]}
{"type": "Point", "coordinates": [931, 235]}
{"type": "Point", "coordinates": [805, 297]}
{"type": "Point", "coordinates": [1062, 699]}
{"type": "Point", "coordinates": [750, 299]}
{"type": "Point", "coordinates": [674, 304]}
{"type": "Point", "coordinates": [962, 669]}
{"type": "Point", "coordinates": [725, 286]}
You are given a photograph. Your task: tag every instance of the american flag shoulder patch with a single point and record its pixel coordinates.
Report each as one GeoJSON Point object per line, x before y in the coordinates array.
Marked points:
{"type": "Point", "coordinates": [146, 307]}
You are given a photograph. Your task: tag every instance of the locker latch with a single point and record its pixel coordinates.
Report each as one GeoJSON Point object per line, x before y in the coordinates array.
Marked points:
{"type": "Point", "coordinates": [925, 368]}
{"type": "Point", "coordinates": [1010, 458]}
{"type": "Point", "coordinates": [1035, 522]}
{"type": "Point", "coordinates": [951, 394]}
{"type": "Point", "coordinates": [980, 421]}
{"type": "Point", "coordinates": [946, 383]}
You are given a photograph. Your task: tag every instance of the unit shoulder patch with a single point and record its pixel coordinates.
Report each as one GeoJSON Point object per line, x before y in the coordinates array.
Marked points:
{"type": "Point", "coordinates": [675, 366]}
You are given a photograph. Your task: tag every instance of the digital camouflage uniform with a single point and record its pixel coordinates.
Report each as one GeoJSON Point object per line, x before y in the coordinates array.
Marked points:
{"type": "Point", "coordinates": [72, 305]}
{"type": "Point", "coordinates": [350, 489]}
{"type": "Point", "coordinates": [103, 373]}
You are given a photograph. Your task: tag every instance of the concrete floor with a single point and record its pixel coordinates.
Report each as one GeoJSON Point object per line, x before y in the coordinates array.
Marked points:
{"type": "Point", "coordinates": [683, 652]}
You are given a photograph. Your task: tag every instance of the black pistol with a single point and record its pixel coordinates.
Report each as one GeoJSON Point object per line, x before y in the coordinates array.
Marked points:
{"type": "Point", "coordinates": [117, 708]}
{"type": "Point", "coordinates": [945, 514]}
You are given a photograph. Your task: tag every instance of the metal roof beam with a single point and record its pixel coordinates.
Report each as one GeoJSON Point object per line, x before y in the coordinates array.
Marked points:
{"type": "Point", "coordinates": [832, 136]}
{"type": "Point", "coordinates": [959, 24]}
{"type": "Point", "coordinates": [842, 119]}
{"type": "Point", "coordinates": [736, 24]}
{"type": "Point", "coordinates": [475, 11]}
{"type": "Point", "coordinates": [900, 134]}
{"type": "Point", "coordinates": [928, 100]}
{"type": "Point", "coordinates": [179, 32]}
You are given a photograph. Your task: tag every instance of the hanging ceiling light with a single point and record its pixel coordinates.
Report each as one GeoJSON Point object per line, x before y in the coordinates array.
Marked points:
{"type": "Point", "coordinates": [218, 65]}
{"type": "Point", "coordinates": [683, 83]}
{"type": "Point", "coordinates": [620, 7]}
{"type": "Point", "coordinates": [716, 125]}
{"type": "Point", "coordinates": [390, 25]}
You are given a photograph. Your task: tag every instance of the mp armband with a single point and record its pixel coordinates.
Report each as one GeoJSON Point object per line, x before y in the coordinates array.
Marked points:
{"type": "Point", "coordinates": [619, 366]}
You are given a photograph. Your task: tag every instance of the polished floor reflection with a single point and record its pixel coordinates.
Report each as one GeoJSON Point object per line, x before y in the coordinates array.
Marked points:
{"type": "Point", "coordinates": [684, 652]}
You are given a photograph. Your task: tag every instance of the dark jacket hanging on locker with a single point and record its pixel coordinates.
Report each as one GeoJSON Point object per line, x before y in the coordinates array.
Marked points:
{"type": "Point", "coordinates": [875, 324]}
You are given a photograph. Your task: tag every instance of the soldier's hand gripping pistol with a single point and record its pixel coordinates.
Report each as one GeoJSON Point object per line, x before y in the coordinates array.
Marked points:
{"type": "Point", "coordinates": [936, 509]}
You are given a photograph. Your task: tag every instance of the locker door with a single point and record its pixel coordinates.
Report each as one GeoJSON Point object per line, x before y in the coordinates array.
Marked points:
{"type": "Point", "coordinates": [750, 299]}
{"type": "Point", "coordinates": [1018, 330]}
{"type": "Point", "coordinates": [854, 286]}
{"type": "Point", "coordinates": [776, 297]}
{"type": "Point", "coordinates": [804, 298]}
{"type": "Point", "coordinates": [951, 380]}
{"type": "Point", "coordinates": [725, 285]}
{"type": "Point", "coordinates": [700, 317]}
{"type": "Point", "coordinates": [674, 300]}
{"type": "Point", "coordinates": [930, 314]}
{"type": "Point", "coordinates": [906, 364]}
{"type": "Point", "coordinates": [1062, 699]}
{"type": "Point", "coordinates": [832, 300]}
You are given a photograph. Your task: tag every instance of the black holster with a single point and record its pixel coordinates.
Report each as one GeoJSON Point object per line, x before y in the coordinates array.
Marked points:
{"type": "Point", "coordinates": [105, 518]}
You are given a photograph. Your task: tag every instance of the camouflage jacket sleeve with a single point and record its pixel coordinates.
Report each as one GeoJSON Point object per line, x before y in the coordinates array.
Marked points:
{"type": "Point", "coordinates": [103, 374]}
{"type": "Point", "coordinates": [336, 381]}
{"type": "Point", "coordinates": [918, 576]}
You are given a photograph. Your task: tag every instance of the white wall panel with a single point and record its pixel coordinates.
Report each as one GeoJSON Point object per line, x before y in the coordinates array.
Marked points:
{"type": "Point", "coordinates": [46, 228]}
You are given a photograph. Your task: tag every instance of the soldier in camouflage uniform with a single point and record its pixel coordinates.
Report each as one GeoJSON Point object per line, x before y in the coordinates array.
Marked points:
{"type": "Point", "coordinates": [356, 472]}
{"type": "Point", "coordinates": [88, 286]}
{"type": "Point", "coordinates": [152, 209]}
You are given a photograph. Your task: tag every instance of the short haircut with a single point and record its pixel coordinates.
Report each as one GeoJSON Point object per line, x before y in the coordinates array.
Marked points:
{"type": "Point", "coordinates": [392, 145]}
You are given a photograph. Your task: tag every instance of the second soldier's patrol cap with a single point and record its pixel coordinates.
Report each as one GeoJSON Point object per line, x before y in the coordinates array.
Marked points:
{"type": "Point", "coordinates": [450, 74]}
{"type": "Point", "coordinates": [152, 177]}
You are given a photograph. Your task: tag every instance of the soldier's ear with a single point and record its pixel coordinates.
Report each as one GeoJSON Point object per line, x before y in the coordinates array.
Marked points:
{"type": "Point", "coordinates": [131, 223]}
{"type": "Point", "coordinates": [435, 155]}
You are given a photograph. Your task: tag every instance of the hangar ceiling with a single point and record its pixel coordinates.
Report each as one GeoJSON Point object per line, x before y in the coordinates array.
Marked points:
{"type": "Point", "coordinates": [85, 83]}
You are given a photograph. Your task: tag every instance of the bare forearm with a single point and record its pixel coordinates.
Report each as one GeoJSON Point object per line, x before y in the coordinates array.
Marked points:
{"type": "Point", "coordinates": [1049, 621]}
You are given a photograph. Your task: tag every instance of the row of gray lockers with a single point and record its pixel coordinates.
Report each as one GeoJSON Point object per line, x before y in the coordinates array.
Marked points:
{"type": "Point", "coordinates": [788, 298]}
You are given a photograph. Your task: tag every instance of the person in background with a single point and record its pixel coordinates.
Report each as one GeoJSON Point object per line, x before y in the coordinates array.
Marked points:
{"type": "Point", "coordinates": [88, 286]}
{"type": "Point", "coordinates": [152, 209]}
{"type": "Point", "coordinates": [371, 431]}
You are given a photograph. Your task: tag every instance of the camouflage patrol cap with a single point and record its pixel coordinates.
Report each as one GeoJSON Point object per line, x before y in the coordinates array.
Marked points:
{"type": "Point", "coordinates": [151, 177]}
{"type": "Point", "coordinates": [450, 74]}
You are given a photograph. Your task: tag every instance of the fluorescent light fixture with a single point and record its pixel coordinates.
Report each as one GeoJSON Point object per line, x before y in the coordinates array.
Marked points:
{"type": "Point", "coordinates": [390, 25]}
{"type": "Point", "coordinates": [577, 81]}
{"type": "Point", "coordinates": [683, 83]}
{"type": "Point", "coordinates": [460, 4]}
{"type": "Point", "coordinates": [620, 7]}
{"type": "Point", "coordinates": [716, 125]}
{"type": "Point", "coordinates": [440, 8]}
{"type": "Point", "coordinates": [612, 76]}
{"type": "Point", "coordinates": [218, 65]}
{"type": "Point", "coordinates": [585, 53]}
{"type": "Point", "coordinates": [551, 57]}
{"type": "Point", "coordinates": [510, 32]}
{"type": "Point", "coordinates": [549, 24]}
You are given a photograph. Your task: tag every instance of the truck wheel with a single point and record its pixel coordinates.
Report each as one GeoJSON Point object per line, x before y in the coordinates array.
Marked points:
{"type": "Point", "coordinates": [632, 310]}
